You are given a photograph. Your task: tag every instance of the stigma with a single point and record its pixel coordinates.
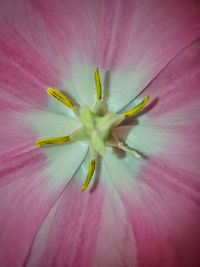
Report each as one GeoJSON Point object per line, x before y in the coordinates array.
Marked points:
{"type": "Point", "coordinates": [97, 127]}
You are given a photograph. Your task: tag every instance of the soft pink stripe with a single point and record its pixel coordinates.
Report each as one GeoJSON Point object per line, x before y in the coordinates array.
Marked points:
{"type": "Point", "coordinates": [68, 238]}
{"type": "Point", "coordinates": [165, 215]}
{"type": "Point", "coordinates": [24, 196]}
{"type": "Point", "coordinates": [25, 193]}
{"type": "Point", "coordinates": [177, 86]}
{"type": "Point", "coordinates": [108, 27]}
{"type": "Point", "coordinates": [13, 134]}
{"type": "Point", "coordinates": [24, 205]}
{"type": "Point", "coordinates": [129, 36]}
{"type": "Point", "coordinates": [116, 244]}
{"type": "Point", "coordinates": [186, 152]}
{"type": "Point", "coordinates": [28, 62]}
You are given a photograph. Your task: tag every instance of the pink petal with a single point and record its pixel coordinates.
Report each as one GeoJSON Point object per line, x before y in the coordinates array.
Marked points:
{"type": "Point", "coordinates": [176, 90]}
{"type": "Point", "coordinates": [28, 186]}
{"type": "Point", "coordinates": [25, 202]}
{"type": "Point", "coordinates": [116, 244]}
{"type": "Point", "coordinates": [26, 197]}
{"type": "Point", "coordinates": [139, 37]}
{"type": "Point", "coordinates": [13, 135]}
{"type": "Point", "coordinates": [164, 206]}
{"type": "Point", "coordinates": [28, 66]}
{"type": "Point", "coordinates": [69, 234]}
{"type": "Point", "coordinates": [165, 215]}
{"type": "Point", "coordinates": [175, 107]}
{"type": "Point", "coordinates": [85, 229]}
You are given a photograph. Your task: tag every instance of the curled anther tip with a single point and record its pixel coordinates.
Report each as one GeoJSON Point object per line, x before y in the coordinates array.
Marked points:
{"type": "Point", "coordinates": [36, 144]}
{"type": "Point", "coordinates": [137, 108]}
{"type": "Point", "coordinates": [90, 173]}
{"type": "Point", "coordinates": [50, 90]}
{"type": "Point", "coordinates": [83, 188]}
{"type": "Point", "coordinates": [146, 99]}
{"type": "Point", "coordinates": [60, 97]}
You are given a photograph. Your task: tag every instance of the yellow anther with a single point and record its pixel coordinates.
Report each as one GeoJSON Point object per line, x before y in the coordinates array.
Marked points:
{"type": "Point", "coordinates": [60, 97]}
{"type": "Point", "coordinates": [97, 83]}
{"type": "Point", "coordinates": [137, 108]}
{"type": "Point", "coordinates": [91, 169]}
{"type": "Point", "coordinates": [53, 141]}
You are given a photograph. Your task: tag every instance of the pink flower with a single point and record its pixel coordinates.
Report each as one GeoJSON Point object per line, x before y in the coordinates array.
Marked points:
{"type": "Point", "coordinates": [135, 212]}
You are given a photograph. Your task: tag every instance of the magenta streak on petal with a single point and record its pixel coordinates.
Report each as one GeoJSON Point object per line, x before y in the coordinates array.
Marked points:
{"type": "Point", "coordinates": [187, 150]}
{"type": "Point", "coordinates": [177, 108]}
{"type": "Point", "coordinates": [116, 243]}
{"type": "Point", "coordinates": [12, 133]}
{"type": "Point", "coordinates": [138, 36]}
{"type": "Point", "coordinates": [165, 215]}
{"type": "Point", "coordinates": [25, 196]}
{"type": "Point", "coordinates": [68, 238]}
{"type": "Point", "coordinates": [148, 25]}
{"type": "Point", "coordinates": [29, 62]}
{"type": "Point", "coordinates": [69, 26]}
{"type": "Point", "coordinates": [164, 208]}
{"type": "Point", "coordinates": [16, 166]}
{"type": "Point", "coordinates": [164, 211]}
{"type": "Point", "coordinates": [24, 74]}
{"type": "Point", "coordinates": [24, 205]}
{"type": "Point", "coordinates": [177, 87]}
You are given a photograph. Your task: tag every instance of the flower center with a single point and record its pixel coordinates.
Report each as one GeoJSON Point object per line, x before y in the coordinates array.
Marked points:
{"type": "Point", "coordinates": [97, 127]}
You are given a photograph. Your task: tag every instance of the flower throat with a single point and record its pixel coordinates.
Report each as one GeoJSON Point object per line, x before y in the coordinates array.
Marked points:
{"type": "Point", "coordinates": [96, 127]}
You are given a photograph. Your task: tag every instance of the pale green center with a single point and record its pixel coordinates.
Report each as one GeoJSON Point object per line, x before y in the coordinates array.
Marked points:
{"type": "Point", "coordinates": [96, 128]}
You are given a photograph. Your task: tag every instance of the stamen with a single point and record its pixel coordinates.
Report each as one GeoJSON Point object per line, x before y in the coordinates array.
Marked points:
{"type": "Point", "coordinates": [60, 97]}
{"type": "Point", "coordinates": [114, 142]}
{"type": "Point", "coordinates": [137, 108]}
{"type": "Point", "coordinates": [53, 141]}
{"type": "Point", "coordinates": [97, 83]}
{"type": "Point", "coordinates": [91, 169]}
{"type": "Point", "coordinates": [128, 150]}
